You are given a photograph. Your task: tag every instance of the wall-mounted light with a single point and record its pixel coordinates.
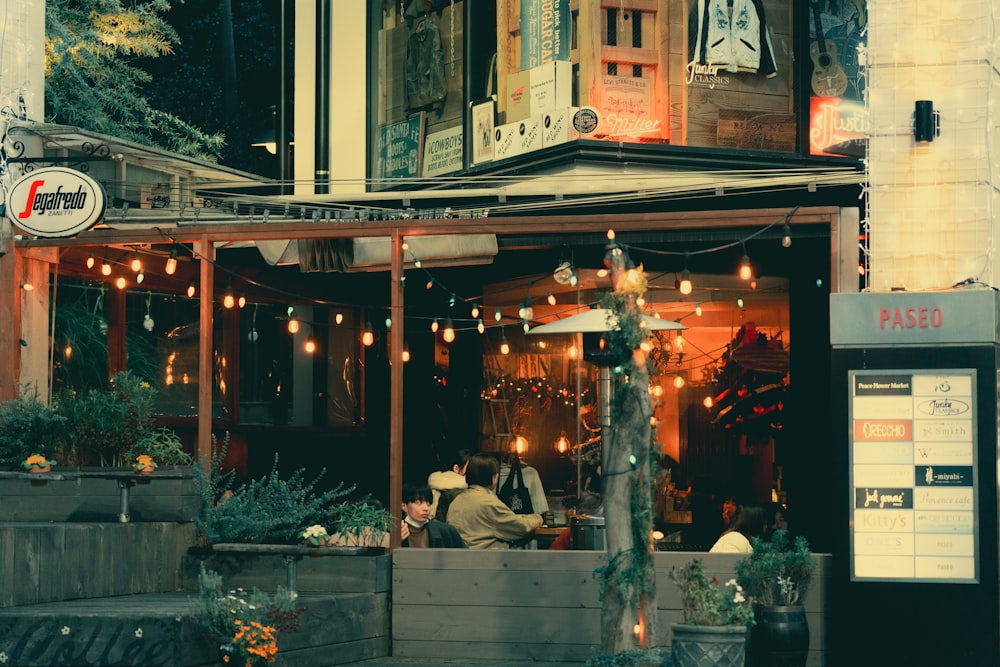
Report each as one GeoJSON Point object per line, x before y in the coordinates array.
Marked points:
{"type": "Point", "coordinates": [27, 287]}
{"type": "Point", "coordinates": [926, 122]}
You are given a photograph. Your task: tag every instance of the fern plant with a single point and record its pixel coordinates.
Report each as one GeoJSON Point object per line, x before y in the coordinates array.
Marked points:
{"type": "Point", "coordinates": [269, 510]}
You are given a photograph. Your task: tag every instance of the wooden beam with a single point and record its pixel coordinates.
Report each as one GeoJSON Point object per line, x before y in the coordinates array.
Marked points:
{"type": "Point", "coordinates": [205, 250]}
{"type": "Point", "coordinates": [556, 224]}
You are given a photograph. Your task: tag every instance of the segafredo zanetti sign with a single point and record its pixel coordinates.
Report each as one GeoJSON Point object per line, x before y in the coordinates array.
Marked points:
{"type": "Point", "coordinates": [55, 201]}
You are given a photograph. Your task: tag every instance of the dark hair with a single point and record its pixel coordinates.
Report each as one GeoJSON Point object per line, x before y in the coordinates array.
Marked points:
{"type": "Point", "coordinates": [750, 520]}
{"type": "Point", "coordinates": [413, 493]}
{"type": "Point", "coordinates": [481, 469]}
{"type": "Point", "coordinates": [460, 458]}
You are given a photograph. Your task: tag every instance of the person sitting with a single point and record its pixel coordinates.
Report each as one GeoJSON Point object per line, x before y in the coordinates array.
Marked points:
{"type": "Point", "coordinates": [748, 522]}
{"type": "Point", "coordinates": [418, 529]}
{"type": "Point", "coordinates": [446, 484]}
{"type": "Point", "coordinates": [480, 517]}
{"type": "Point", "coordinates": [532, 480]}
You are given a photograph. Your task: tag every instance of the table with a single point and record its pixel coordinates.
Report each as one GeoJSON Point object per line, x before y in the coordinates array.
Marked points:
{"type": "Point", "coordinates": [545, 535]}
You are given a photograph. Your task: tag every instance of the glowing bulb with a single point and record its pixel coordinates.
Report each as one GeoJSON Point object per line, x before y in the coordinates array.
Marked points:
{"type": "Point", "coordinates": [739, 302]}
{"type": "Point", "coordinates": [753, 283]}
{"type": "Point", "coordinates": [679, 342]}
{"type": "Point", "coordinates": [367, 338]}
{"type": "Point", "coordinates": [293, 326]}
{"type": "Point", "coordinates": [339, 318]}
{"type": "Point", "coordinates": [697, 309]}
{"type": "Point", "coordinates": [685, 285]}
{"type": "Point", "coordinates": [139, 278]}
{"type": "Point", "coordinates": [745, 271]}
{"type": "Point", "coordinates": [147, 322]}
{"type": "Point", "coordinates": [474, 312]}
{"type": "Point", "coordinates": [480, 327]}
{"type": "Point", "coordinates": [449, 331]}
{"type": "Point", "coordinates": [90, 262]}
{"type": "Point", "coordinates": [406, 353]}
{"type": "Point", "coordinates": [656, 390]}
{"type": "Point", "coordinates": [242, 301]}
{"type": "Point", "coordinates": [171, 266]}
{"type": "Point", "coordinates": [435, 325]}
{"type": "Point", "coordinates": [678, 382]}
{"type": "Point", "coordinates": [551, 298]}
{"type": "Point", "coordinates": [121, 282]}
{"type": "Point", "coordinates": [388, 322]}
{"type": "Point", "coordinates": [611, 235]}
{"type": "Point", "coordinates": [68, 351]}
{"type": "Point", "coordinates": [562, 444]}
{"type": "Point", "coordinates": [573, 352]}
{"type": "Point", "coordinates": [191, 290]}
{"type": "Point", "coordinates": [504, 346]}
{"type": "Point", "coordinates": [310, 346]}
{"type": "Point", "coordinates": [136, 264]}
{"type": "Point", "coordinates": [786, 237]}
{"type": "Point", "coordinates": [105, 268]}
{"type": "Point", "coordinates": [497, 316]}
{"type": "Point", "coordinates": [708, 402]}
{"type": "Point", "coordinates": [228, 300]}
{"type": "Point", "coordinates": [520, 444]}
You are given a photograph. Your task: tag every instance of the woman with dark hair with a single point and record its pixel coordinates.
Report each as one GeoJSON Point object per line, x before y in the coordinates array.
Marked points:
{"type": "Point", "coordinates": [482, 519]}
{"type": "Point", "coordinates": [447, 484]}
{"type": "Point", "coordinates": [749, 521]}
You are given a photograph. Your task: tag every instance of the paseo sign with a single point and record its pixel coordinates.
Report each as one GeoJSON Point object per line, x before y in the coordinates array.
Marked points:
{"type": "Point", "coordinates": [893, 318]}
{"type": "Point", "coordinates": [55, 202]}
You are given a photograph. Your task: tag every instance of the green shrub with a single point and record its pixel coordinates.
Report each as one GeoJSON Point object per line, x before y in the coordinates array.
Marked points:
{"type": "Point", "coordinates": [269, 510]}
{"type": "Point", "coordinates": [27, 426]}
{"type": "Point", "coordinates": [779, 570]}
{"type": "Point", "coordinates": [163, 444]}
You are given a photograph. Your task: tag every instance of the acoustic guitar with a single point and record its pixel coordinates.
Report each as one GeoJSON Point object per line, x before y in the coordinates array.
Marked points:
{"type": "Point", "coordinates": [828, 78]}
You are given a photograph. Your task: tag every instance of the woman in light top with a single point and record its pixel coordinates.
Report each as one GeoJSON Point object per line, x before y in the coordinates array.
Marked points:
{"type": "Point", "coordinates": [748, 522]}
{"type": "Point", "coordinates": [482, 519]}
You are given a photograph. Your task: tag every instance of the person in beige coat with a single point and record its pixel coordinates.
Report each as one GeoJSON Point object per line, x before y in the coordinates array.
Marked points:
{"type": "Point", "coordinates": [482, 519]}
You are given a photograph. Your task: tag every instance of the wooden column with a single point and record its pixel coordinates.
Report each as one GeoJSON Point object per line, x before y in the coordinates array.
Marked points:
{"type": "Point", "coordinates": [205, 251]}
{"type": "Point", "coordinates": [396, 386]}
{"type": "Point", "coordinates": [10, 303]}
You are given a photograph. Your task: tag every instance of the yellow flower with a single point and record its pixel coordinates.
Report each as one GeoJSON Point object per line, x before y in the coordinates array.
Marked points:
{"type": "Point", "coordinates": [36, 460]}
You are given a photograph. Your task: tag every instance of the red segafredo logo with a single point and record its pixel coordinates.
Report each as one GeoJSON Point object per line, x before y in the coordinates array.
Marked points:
{"type": "Point", "coordinates": [56, 202]}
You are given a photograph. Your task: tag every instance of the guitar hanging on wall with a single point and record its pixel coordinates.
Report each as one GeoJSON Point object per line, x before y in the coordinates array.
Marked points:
{"type": "Point", "coordinates": [828, 78]}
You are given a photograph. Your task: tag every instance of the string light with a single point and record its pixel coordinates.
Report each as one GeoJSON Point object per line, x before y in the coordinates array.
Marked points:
{"type": "Point", "coordinates": [388, 322]}
{"type": "Point", "coordinates": [497, 316]}
{"type": "Point", "coordinates": [242, 301]}
{"type": "Point", "coordinates": [293, 326]}
{"type": "Point", "coordinates": [191, 291]}
{"type": "Point", "coordinates": [504, 345]}
{"type": "Point", "coordinates": [786, 236]}
{"type": "Point", "coordinates": [480, 327]}
{"type": "Point", "coordinates": [140, 277]}
{"type": "Point", "coordinates": [678, 381]}
{"type": "Point", "coordinates": [551, 298]}
{"type": "Point", "coordinates": [562, 443]}
{"type": "Point", "coordinates": [121, 283]}
{"type": "Point", "coordinates": [229, 300]}
{"type": "Point", "coordinates": [105, 268]}
{"type": "Point", "coordinates": [171, 266]}
{"type": "Point", "coordinates": [697, 309]}
{"type": "Point", "coordinates": [339, 318]}
{"type": "Point", "coordinates": [434, 325]}
{"type": "Point", "coordinates": [310, 345]}
{"type": "Point", "coordinates": [745, 271]}
{"type": "Point", "coordinates": [739, 301]}
{"type": "Point", "coordinates": [367, 335]}
{"type": "Point", "coordinates": [90, 261]}
{"type": "Point", "coordinates": [406, 353]}
{"type": "Point", "coordinates": [685, 284]}
{"type": "Point", "coordinates": [449, 331]}
{"type": "Point", "coordinates": [136, 264]}
{"type": "Point", "coordinates": [475, 311]}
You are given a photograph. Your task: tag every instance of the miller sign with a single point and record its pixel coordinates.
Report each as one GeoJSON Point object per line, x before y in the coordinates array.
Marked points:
{"type": "Point", "coordinates": [55, 202]}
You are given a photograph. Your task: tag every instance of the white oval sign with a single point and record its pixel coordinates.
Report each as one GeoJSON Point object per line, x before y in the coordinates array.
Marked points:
{"type": "Point", "coordinates": [56, 202]}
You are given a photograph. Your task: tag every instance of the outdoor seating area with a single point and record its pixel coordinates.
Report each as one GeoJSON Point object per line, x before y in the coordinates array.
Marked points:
{"type": "Point", "coordinates": [130, 598]}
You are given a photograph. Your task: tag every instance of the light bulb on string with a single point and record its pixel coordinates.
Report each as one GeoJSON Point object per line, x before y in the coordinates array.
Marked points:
{"type": "Point", "coordinates": [406, 353]}
{"type": "Point", "coordinates": [434, 325]}
{"type": "Point", "coordinates": [147, 320]}
{"type": "Point", "coordinates": [475, 311]}
{"type": "Point", "coordinates": [310, 345]}
{"type": "Point", "coordinates": [739, 301]}
{"type": "Point", "coordinates": [140, 277]}
{"type": "Point", "coordinates": [121, 283]}
{"type": "Point", "coordinates": [525, 326]}
{"type": "Point", "coordinates": [678, 381]}
{"type": "Point", "coordinates": [171, 266]}
{"type": "Point", "coordinates": [480, 326]}
{"type": "Point", "coordinates": [136, 264]}
{"type": "Point", "coordinates": [367, 335]}
{"type": "Point", "coordinates": [90, 261]}
{"type": "Point", "coordinates": [753, 283]}
{"type": "Point", "coordinates": [228, 298]}
{"type": "Point", "coordinates": [242, 301]}
{"type": "Point", "coordinates": [388, 322]}
{"type": "Point", "coordinates": [293, 326]}
{"type": "Point", "coordinates": [105, 268]}
{"type": "Point", "coordinates": [708, 402]}
{"type": "Point", "coordinates": [685, 284]}
{"type": "Point", "coordinates": [786, 236]}
{"type": "Point", "coordinates": [746, 272]}
{"type": "Point", "coordinates": [504, 344]}
{"type": "Point", "coordinates": [449, 331]}
{"type": "Point", "coordinates": [252, 335]}
{"type": "Point", "coordinates": [191, 290]}
{"type": "Point", "coordinates": [430, 284]}
{"type": "Point", "coordinates": [697, 309]}
{"type": "Point", "coordinates": [339, 318]}
{"type": "Point", "coordinates": [497, 316]}
{"type": "Point", "coordinates": [551, 298]}
{"type": "Point", "coordinates": [562, 443]}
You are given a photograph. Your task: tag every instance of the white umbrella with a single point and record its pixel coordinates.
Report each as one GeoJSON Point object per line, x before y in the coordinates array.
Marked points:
{"type": "Point", "coordinates": [598, 320]}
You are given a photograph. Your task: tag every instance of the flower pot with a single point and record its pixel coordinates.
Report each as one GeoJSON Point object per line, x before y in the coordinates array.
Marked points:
{"type": "Point", "coordinates": [780, 637]}
{"type": "Point", "coordinates": [709, 646]}
{"type": "Point", "coordinates": [36, 469]}
{"type": "Point", "coordinates": [145, 471]}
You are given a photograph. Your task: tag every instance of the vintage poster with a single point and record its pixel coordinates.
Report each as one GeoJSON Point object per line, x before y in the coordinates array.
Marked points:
{"type": "Point", "coordinates": [399, 148]}
{"type": "Point", "coordinates": [443, 152]}
{"type": "Point", "coordinates": [545, 32]}
{"type": "Point", "coordinates": [627, 106]}
{"type": "Point", "coordinates": [482, 131]}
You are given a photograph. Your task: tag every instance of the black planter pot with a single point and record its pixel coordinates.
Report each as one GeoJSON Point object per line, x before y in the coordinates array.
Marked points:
{"type": "Point", "coordinates": [780, 638]}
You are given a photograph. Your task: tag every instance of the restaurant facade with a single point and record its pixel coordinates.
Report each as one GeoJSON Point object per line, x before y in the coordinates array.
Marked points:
{"type": "Point", "coordinates": [456, 189]}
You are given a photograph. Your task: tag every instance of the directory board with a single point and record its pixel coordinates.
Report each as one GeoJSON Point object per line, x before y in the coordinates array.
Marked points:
{"type": "Point", "coordinates": [913, 442]}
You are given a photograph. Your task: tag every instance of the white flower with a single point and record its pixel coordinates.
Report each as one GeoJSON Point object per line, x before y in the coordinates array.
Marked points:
{"type": "Point", "coordinates": [64, 630]}
{"type": "Point", "coordinates": [315, 530]}
{"type": "Point", "coordinates": [138, 633]}
{"type": "Point", "coordinates": [3, 658]}
{"type": "Point", "coordinates": [732, 582]}
{"type": "Point", "coordinates": [738, 598]}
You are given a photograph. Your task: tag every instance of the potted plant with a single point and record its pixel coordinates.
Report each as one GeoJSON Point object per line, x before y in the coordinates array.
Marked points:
{"type": "Point", "coordinates": [315, 536]}
{"type": "Point", "coordinates": [38, 464]}
{"type": "Point", "coordinates": [245, 624]}
{"type": "Point", "coordinates": [28, 426]}
{"type": "Point", "coordinates": [716, 619]}
{"type": "Point", "coordinates": [144, 464]}
{"type": "Point", "coordinates": [776, 576]}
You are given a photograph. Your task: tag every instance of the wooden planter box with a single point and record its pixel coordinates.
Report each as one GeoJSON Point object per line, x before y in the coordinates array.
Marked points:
{"type": "Point", "coordinates": [94, 494]}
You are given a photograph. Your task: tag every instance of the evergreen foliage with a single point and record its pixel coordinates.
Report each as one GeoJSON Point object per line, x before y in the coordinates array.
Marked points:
{"type": "Point", "coordinates": [779, 570]}
{"type": "Point", "coordinates": [269, 510]}
{"type": "Point", "coordinates": [28, 425]}
{"type": "Point", "coordinates": [92, 79]}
